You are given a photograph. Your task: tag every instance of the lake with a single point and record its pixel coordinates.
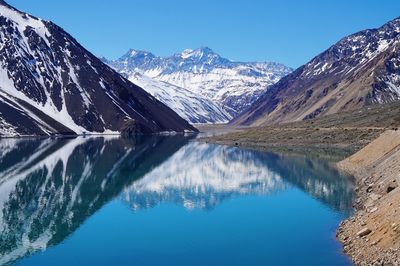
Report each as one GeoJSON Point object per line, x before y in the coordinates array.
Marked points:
{"type": "Point", "coordinates": [166, 200]}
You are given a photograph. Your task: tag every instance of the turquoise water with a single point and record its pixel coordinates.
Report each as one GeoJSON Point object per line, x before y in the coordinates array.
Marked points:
{"type": "Point", "coordinates": [166, 201]}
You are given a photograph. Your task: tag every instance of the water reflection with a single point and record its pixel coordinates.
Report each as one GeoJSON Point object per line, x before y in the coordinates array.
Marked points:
{"type": "Point", "coordinates": [202, 175]}
{"type": "Point", "coordinates": [48, 187]}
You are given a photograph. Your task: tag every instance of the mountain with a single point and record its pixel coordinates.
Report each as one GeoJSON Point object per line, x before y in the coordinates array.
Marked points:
{"type": "Point", "coordinates": [190, 106]}
{"type": "Point", "coordinates": [360, 70]}
{"type": "Point", "coordinates": [232, 85]}
{"type": "Point", "coordinates": [50, 84]}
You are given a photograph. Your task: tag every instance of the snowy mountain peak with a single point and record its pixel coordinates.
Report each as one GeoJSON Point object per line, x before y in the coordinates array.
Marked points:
{"type": "Point", "coordinates": [138, 53]}
{"type": "Point", "coordinates": [234, 86]}
{"type": "Point", "coordinates": [133, 54]}
{"type": "Point", "coordinates": [5, 4]}
{"type": "Point", "coordinates": [186, 53]}
{"type": "Point", "coordinates": [201, 59]}
{"type": "Point", "coordinates": [200, 53]}
{"type": "Point", "coordinates": [21, 19]}
{"type": "Point", "coordinates": [395, 23]}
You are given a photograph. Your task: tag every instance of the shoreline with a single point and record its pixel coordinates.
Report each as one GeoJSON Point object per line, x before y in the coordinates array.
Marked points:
{"type": "Point", "coordinates": [371, 236]}
{"type": "Point", "coordinates": [371, 155]}
{"type": "Point", "coordinates": [58, 136]}
{"type": "Point", "coordinates": [299, 138]}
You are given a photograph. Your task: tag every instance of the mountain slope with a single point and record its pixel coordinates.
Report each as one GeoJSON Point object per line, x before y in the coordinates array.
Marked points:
{"type": "Point", "coordinates": [192, 107]}
{"type": "Point", "coordinates": [232, 85]}
{"type": "Point", "coordinates": [360, 70]}
{"type": "Point", "coordinates": [50, 84]}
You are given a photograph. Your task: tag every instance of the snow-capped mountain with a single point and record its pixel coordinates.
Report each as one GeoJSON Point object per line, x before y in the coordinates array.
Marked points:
{"type": "Point", "coordinates": [190, 106]}
{"type": "Point", "coordinates": [232, 85]}
{"type": "Point", "coordinates": [50, 84]}
{"type": "Point", "coordinates": [360, 70]}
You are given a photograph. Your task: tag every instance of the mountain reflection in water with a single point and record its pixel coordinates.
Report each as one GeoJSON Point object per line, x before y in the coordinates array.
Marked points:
{"type": "Point", "coordinates": [202, 175]}
{"type": "Point", "coordinates": [48, 187]}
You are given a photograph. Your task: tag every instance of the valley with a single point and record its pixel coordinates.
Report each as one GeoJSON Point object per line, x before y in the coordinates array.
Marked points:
{"type": "Point", "coordinates": [228, 86]}
{"type": "Point", "coordinates": [191, 158]}
{"type": "Point", "coordinates": [347, 130]}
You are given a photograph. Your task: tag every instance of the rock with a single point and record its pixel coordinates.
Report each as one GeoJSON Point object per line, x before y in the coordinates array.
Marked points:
{"type": "Point", "coordinates": [374, 197]}
{"type": "Point", "coordinates": [132, 128]}
{"type": "Point", "coordinates": [364, 232]}
{"type": "Point", "coordinates": [373, 210]}
{"type": "Point", "coordinates": [390, 188]}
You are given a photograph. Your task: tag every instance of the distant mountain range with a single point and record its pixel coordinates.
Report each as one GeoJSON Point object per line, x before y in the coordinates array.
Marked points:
{"type": "Point", "coordinates": [50, 84]}
{"type": "Point", "coordinates": [360, 70]}
{"type": "Point", "coordinates": [231, 87]}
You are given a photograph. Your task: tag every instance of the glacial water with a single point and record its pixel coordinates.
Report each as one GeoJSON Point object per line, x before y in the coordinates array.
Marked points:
{"type": "Point", "coordinates": [166, 201]}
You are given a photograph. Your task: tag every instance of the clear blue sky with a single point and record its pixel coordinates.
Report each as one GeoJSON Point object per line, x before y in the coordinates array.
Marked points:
{"type": "Point", "coordinates": [286, 31]}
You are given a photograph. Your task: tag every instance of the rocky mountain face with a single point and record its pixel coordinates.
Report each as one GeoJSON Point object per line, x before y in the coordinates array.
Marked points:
{"type": "Point", "coordinates": [360, 70]}
{"type": "Point", "coordinates": [50, 84]}
{"type": "Point", "coordinates": [190, 106]}
{"type": "Point", "coordinates": [233, 86]}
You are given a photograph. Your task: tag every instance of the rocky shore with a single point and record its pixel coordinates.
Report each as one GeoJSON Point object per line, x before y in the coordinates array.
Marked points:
{"type": "Point", "coordinates": [372, 235]}
{"type": "Point", "coordinates": [370, 142]}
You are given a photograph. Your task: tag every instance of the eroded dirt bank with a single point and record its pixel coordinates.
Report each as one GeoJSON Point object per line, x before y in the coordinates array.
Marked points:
{"type": "Point", "coordinates": [372, 235]}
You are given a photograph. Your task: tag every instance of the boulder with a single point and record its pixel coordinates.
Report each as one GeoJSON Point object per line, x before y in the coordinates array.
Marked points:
{"type": "Point", "coordinates": [364, 232]}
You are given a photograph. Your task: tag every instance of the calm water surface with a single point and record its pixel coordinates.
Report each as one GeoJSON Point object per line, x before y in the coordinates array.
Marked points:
{"type": "Point", "coordinates": [166, 201]}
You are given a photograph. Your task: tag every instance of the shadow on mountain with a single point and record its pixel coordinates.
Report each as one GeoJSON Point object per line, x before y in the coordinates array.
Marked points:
{"type": "Point", "coordinates": [48, 187]}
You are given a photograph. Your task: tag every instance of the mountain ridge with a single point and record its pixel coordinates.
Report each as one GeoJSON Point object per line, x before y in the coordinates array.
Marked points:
{"type": "Point", "coordinates": [50, 84]}
{"type": "Point", "coordinates": [359, 70]}
{"type": "Point", "coordinates": [230, 84]}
